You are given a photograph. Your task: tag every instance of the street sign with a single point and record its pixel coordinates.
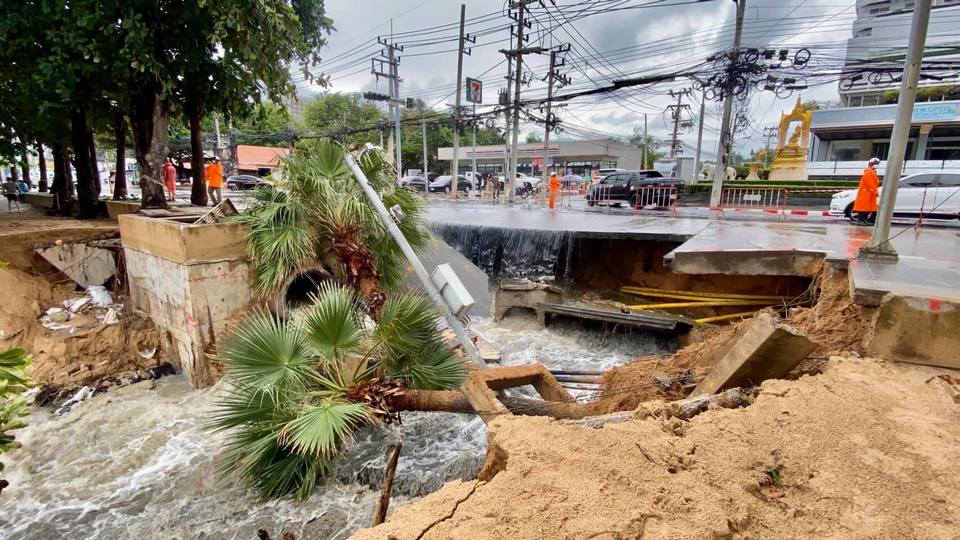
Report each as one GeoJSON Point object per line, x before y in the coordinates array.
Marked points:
{"type": "Point", "coordinates": [474, 91]}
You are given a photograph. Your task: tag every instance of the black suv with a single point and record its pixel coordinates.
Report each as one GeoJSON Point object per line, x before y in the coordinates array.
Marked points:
{"type": "Point", "coordinates": [623, 186]}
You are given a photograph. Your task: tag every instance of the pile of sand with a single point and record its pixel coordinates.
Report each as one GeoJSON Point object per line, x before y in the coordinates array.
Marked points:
{"type": "Point", "coordinates": [834, 322]}
{"type": "Point", "coordinates": [758, 472]}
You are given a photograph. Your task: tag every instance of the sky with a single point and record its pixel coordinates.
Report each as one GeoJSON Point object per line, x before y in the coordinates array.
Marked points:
{"type": "Point", "coordinates": [611, 40]}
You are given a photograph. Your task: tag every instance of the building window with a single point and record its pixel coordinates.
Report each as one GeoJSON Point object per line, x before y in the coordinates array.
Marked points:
{"type": "Point", "coordinates": [878, 8]}
{"type": "Point", "coordinates": [863, 32]}
{"type": "Point", "coordinates": [941, 150]}
{"type": "Point", "coordinates": [880, 150]}
{"type": "Point", "coordinates": [845, 150]}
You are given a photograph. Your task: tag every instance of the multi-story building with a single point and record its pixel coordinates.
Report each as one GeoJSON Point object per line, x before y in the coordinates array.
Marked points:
{"type": "Point", "coordinates": [843, 139]}
{"type": "Point", "coordinates": [881, 32]}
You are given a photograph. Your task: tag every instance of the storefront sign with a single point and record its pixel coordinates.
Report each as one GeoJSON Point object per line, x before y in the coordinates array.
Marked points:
{"type": "Point", "coordinates": [934, 111]}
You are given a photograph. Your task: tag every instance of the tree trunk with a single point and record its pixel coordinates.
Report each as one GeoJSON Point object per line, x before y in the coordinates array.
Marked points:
{"type": "Point", "coordinates": [149, 122]}
{"type": "Point", "coordinates": [94, 165]}
{"type": "Point", "coordinates": [198, 191]}
{"type": "Point", "coordinates": [86, 184]}
{"type": "Point", "coordinates": [62, 188]}
{"type": "Point", "coordinates": [14, 175]}
{"type": "Point", "coordinates": [42, 165]}
{"type": "Point", "coordinates": [120, 178]}
{"type": "Point", "coordinates": [453, 401]}
{"type": "Point", "coordinates": [26, 165]}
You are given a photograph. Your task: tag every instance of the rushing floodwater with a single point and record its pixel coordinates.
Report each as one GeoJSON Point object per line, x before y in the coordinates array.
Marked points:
{"type": "Point", "coordinates": [140, 465]}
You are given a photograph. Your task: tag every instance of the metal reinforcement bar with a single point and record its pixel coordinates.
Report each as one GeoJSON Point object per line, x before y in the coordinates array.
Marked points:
{"type": "Point", "coordinates": [731, 316]}
{"type": "Point", "coordinates": [703, 303]}
{"type": "Point", "coordinates": [692, 295]}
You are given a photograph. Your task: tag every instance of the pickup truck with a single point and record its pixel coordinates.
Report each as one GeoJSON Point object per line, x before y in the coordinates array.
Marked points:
{"type": "Point", "coordinates": [624, 186]}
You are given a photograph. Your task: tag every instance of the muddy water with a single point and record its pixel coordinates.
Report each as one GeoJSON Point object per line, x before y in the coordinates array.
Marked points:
{"type": "Point", "coordinates": [139, 465]}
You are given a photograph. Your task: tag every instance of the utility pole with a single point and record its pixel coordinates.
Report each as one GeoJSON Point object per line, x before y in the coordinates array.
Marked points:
{"type": "Point", "coordinates": [879, 243]}
{"type": "Point", "coordinates": [473, 141]}
{"type": "Point", "coordinates": [696, 159]}
{"type": "Point", "coordinates": [677, 112]}
{"type": "Point", "coordinates": [518, 52]}
{"type": "Point", "coordinates": [547, 125]}
{"type": "Point", "coordinates": [455, 168]}
{"type": "Point", "coordinates": [644, 166]}
{"type": "Point", "coordinates": [726, 135]}
{"type": "Point", "coordinates": [423, 133]}
{"type": "Point", "coordinates": [768, 133]}
{"type": "Point", "coordinates": [393, 80]}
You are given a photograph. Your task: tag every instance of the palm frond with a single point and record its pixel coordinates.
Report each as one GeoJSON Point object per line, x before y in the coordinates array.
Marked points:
{"type": "Point", "coordinates": [268, 352]}
{"type": "Point", "coordinates": [333, 323]}
{"type": "Point", "coordinates": [407, 323]}
{"type": "Point", "coordinates": [320, 430]}
{"type": "Point", "coordinates": [433, 367]}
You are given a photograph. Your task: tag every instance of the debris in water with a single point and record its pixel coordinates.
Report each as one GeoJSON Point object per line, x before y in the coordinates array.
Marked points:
{"type": "Point", "coordinates": [85, 392]}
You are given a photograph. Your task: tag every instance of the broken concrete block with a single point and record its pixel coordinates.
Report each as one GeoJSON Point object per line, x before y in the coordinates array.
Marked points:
{"type": "Point", "coordinates": [83, 264]}
{"type": "Point", "coordinates": [916, 330]}
{"type": "Point", "coordinates": [767, 350]}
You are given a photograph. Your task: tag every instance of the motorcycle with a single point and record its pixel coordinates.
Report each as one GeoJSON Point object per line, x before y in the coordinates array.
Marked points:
{"type": "Point", "coordinates": [526, 190]}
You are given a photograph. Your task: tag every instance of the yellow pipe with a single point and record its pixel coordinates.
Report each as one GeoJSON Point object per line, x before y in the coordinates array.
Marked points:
{"type": "Point", "coordinates": [706, 320]}
{"type": "Point", "coordinates": [664, 292]}
{"type": "Point", "coordinates": [717, 303]}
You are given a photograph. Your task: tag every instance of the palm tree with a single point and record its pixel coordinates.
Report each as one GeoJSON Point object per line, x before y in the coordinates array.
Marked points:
{"type": "Point", "coordinates": [297, 387]}
{"type": "Point", "coordinates": [320, 217]}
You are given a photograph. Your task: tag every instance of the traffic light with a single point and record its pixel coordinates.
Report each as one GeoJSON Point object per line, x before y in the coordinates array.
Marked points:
{"type": "Point", "coordinates": [411, 104]}
{"type": "Point", "coordinates": [373, 96]}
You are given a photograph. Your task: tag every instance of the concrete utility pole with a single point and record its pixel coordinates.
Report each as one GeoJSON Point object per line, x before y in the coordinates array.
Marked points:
{"type": "Point", "coordinates": [521, 7]}
{"type": "Point", "coordinates": [677, 111]}
{"type": "Point", "coordinates": [423, 133]}
{"type": "Point", "coordinates": [505, 100]}
{"type": "Point", "coordinates": [473, 141]}
{"type": "Point", "coordinates": [726, 135]}
{"type": "Point", "coordinates": [769, 133]}
{"type": "Point", "coordinates": [393, 80]}
{"type": "Point", "coordinates": [696, 159]}
{"type": "Point", "coordinates": [551, 77]}
{"type": "Point", "coordinates": [644, 162]}
{"type": "Point", "coordinates": [879, 243]}
{"type": "Point", "coordinates": [455, 168]}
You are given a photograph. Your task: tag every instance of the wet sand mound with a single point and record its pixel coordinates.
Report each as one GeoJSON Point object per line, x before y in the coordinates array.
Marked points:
{"type": "Point", "coordinates": [763, 471]}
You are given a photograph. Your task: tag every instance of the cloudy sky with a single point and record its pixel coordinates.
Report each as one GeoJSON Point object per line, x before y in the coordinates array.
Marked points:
{"type": "Point", "coordinates": [610, 40]}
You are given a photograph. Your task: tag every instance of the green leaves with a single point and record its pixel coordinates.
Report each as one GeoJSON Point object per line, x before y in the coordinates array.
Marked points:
{"type": "Point", "coordinates": [285, 405]}
{"type": "Point", "coordinates": [269, 353]}
{"type": "Point", "coordinates": [320, 430]}
{"type": "Point", "coordinates": [13, 381]}
{"type": "Point", "coordinates": [334, 323]}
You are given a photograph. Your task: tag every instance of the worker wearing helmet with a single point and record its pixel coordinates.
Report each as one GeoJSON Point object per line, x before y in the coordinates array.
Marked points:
{"type": "Point", "coordinates": [865, 205]}
{"type": "Point", "coordinates": [554, 187]}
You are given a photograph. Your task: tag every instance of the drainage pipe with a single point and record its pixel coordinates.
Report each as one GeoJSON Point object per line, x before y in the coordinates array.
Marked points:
{"type": "Point", "coordinates": [414, 260]}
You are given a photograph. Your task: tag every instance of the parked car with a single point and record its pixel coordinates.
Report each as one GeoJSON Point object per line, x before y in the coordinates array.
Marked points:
{"type": "Point", "coordinates": [619, 187]}
{"type": "Point", "coordinates": [444, 184]}
{"type": "Point", "coordinates": [243, 181]}
{"type": "Point", "coordinates": [934, 194]}
{"type": "Point", "coordinates": [418, 182]}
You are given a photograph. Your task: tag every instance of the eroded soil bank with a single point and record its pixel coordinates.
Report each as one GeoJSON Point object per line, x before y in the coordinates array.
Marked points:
{"type": "Point", "coordinates": [864, 449]}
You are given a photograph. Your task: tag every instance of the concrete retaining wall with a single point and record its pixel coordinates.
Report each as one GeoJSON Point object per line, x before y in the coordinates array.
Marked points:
{"type": "Point", "coordinates": [917, 330]}
{"type": "Point", "coordinates": [192, 280]}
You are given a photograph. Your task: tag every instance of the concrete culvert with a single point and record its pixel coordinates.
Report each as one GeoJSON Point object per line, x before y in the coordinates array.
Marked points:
{"type": "Point", "coordinates": [300, 288]}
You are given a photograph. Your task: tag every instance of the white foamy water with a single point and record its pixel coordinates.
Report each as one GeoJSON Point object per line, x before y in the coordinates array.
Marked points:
{"type": "Point", "coordinates": [141, 465]}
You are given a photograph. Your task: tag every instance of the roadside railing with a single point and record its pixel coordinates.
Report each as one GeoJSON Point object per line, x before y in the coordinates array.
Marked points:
{"type": "Point", "coordinates": [772, 200]}
{"type": "Point", "coordinates": [655, 198]}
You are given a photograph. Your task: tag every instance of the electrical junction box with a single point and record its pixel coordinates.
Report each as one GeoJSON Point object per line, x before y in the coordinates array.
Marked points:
{"type": "Point", "coordinates": [451, 288]}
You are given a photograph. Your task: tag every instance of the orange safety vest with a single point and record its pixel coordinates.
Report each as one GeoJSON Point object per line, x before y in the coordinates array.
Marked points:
{"type": "Point", "coordinates": [867, 192]}
{"type": "Point", "coordinates": [554, 183]}
{"type": "Point", "coordinates": [214, 175]}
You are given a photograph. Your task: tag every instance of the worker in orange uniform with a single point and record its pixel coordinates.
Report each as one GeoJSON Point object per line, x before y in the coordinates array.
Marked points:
{"type": "Point", "coordinates": [170, 180]}
{"type": "Point", "coordinates": [554, 188]}
{"type": "Point", "coordinates": [865, 205]}
{"type": "Point", "coordinates": [214, 177]}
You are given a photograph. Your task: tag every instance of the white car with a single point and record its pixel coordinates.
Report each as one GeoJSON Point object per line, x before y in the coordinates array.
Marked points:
{"type": "Point", "coordinates": [934, 194]}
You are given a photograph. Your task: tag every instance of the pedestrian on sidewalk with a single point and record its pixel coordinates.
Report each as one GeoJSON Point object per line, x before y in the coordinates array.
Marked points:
{"type": "Point", "coordinates": [214, 178]}
{"type": "Point", "coordinates": [554, 188]}
{"type": "Point", "coordinates": [12, 192]}
{"type": "Point", "coordinates": [170, 179]}
{"type": "Point", "coordinates": [865, 205]}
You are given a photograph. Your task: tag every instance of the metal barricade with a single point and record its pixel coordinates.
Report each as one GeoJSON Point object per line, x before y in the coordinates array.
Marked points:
{"type": "Point", "coordinates": [600, 193]}
{"type": "Point", "coordinates": [569, 192]}
{"type": "Point", "coordinates": [770, 200]}
{"type": "Point", "coordinates": [655, 198]}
